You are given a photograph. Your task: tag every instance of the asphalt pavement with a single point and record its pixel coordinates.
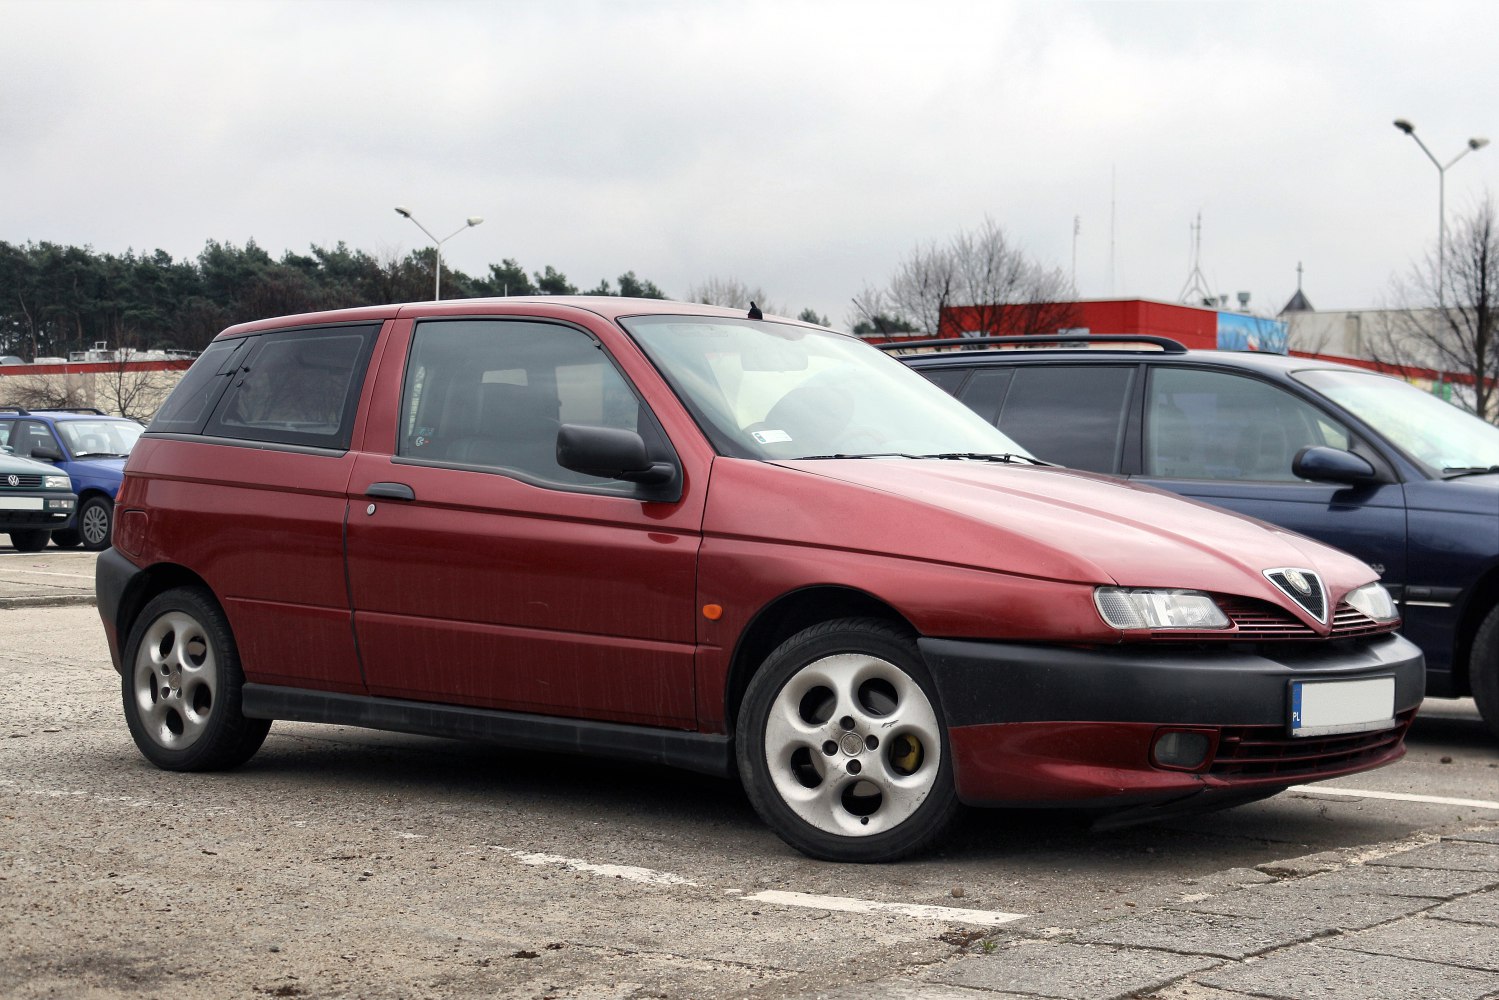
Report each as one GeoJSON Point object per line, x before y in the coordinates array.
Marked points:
{"type": "Point", "coordinates": [49, 578]}
{"type": "Point", "coordinates": [1411, 919]}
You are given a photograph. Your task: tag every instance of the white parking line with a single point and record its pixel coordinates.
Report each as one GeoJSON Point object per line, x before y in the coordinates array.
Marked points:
{"type": "Point", "coordinates": [1435, 800]}
{"type": "Point", "coordinates": [845, 904]}
{"type": "Point", "coordinates": [842, 904]}
{"type": "Point", "coordinates": [627, 872]}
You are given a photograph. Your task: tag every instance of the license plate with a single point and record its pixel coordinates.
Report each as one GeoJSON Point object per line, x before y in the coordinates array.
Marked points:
{"type": "Point", "coordinates": [20, 503]}
{"type": "Point", "coordinates": [1325, 708]}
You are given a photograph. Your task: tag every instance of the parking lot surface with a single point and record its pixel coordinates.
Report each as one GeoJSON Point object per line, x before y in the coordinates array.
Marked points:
{"type": "Point", "coordinates": [347, 863]}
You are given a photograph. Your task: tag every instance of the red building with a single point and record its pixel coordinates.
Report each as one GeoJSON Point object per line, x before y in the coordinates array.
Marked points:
{"type": "Point", "coordinates": [1193, 326]}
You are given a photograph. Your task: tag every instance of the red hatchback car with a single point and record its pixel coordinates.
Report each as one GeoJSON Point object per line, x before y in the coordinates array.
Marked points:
{"type": "Point", "coordinates": [676, 533]}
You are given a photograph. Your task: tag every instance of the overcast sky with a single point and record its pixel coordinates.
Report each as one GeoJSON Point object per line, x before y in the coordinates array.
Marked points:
{"type": "Point", "coordinates": [803, 147]}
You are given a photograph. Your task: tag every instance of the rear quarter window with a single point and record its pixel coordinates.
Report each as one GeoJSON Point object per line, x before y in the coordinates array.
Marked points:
{"type": "Point", "coordinates": [295, 387]}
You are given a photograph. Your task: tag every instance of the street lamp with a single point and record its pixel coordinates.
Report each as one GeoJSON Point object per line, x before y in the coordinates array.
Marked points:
{"type": "Point", "coordinates": [473, 220]}
{"type": "Point", "coordinates": [1474, 143]}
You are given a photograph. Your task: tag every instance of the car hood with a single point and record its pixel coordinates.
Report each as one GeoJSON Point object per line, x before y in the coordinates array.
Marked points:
{"type": "Point", "coordinates": [25, 466]}
{"type": "Point", "coordinates": [1049, 523]}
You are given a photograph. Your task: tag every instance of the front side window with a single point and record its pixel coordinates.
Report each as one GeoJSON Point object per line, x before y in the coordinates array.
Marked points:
{"type": "Point", "coordinates": [771, 391]}
{"type": "Point", "coordinates": [33, 434]}
{"type": "Point", "coordinates": [1203, 424]}
{"type": "Point", "coordinates": [493, 393]}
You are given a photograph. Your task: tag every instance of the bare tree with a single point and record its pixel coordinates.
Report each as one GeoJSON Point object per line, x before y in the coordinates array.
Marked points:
{"type": "Point", "coordinates": [732, 294]}
{"type": "Point", "coordinates": [924, 284]}
{"type": "Point", "coordinates": [134, 389]}
{"type": "Point", "coordinates": [1444, 318]}
{"type": "Point", "coordinates": [43, 392]}
{"type": "Point", "coordinates": [1006, 292]}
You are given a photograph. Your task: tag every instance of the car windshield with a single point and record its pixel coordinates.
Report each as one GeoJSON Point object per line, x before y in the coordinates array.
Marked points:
{"type": "Point", "coordinates": [774, 391]}
{"type": "Point", "coordinates": [1436, 434]}
{"type": "Point", "coordinates": [99, 438]}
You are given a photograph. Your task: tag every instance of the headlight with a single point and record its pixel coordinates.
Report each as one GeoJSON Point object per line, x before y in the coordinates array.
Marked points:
{"type": "Point", "coordinates": [1158, 609]}
{"type": "Point", "coordinates": [57, 482]}
{"type": "Point", "coordinates": [1374, 601]}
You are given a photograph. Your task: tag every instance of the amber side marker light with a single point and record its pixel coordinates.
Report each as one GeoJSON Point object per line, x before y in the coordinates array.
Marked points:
{"type": "Point", "coordinates": [713, 612]}
{"type": "Point", "coordinates": [1183, 749]}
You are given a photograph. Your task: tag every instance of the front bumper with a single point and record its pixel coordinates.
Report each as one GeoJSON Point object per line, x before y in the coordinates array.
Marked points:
{"type": "Point", "coordinates": [48, 511]}
{"type": "Point", "coordinates": [1051, 725]}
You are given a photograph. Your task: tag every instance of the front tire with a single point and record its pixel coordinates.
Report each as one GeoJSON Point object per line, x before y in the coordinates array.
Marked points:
{"type": "Point", "coordinates": [66, 538]}
{"type": "Point", "coordinates": [182, 686]}
{"type": "Point", "coordinates": [95, 522]}
{"type": "Point", "coordinates": [841, 744]}
{"type": "Point", "coordinates": [1483, 670]}
{"type": "Point", "coordinates": [29, 540]}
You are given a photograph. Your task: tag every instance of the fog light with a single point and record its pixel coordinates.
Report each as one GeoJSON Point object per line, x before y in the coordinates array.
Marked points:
{"type": "Point", "coordinates": [1181, 749]}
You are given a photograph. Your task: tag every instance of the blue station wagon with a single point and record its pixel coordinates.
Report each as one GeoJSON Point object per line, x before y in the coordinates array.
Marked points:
{"type": "Point", "coordinates": [1365, 462]}
{"type": "Point", "coordinates": [88, 445]}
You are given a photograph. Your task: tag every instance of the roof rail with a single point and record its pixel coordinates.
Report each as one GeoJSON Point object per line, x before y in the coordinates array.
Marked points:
{"type": "Point", "coordinates": [57, 409]}
{"type": "Point", "coordinates": [1077, 341]}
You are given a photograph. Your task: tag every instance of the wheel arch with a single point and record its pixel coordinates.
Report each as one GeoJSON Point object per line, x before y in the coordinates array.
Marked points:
{"type": "Point", "coordinates": [1482, 598]}
{"type": "Point", "coordinates": [146, 585]}
{"type": "Point", "coordinates": [784, 617]}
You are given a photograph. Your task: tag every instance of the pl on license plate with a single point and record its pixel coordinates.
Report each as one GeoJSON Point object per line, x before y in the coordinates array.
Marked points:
{"type": "Point", "coordinates": [1325, 708]}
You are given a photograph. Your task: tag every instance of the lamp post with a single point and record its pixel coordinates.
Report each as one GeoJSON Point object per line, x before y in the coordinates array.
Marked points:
{"type": "Point", "coordinates": [472, 221]}
{"type": "Point", "coordinates": [1473, 144]}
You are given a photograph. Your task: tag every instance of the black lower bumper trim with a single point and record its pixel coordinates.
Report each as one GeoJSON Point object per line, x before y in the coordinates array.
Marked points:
{"type": "Point", "coordinates": [982, 683]}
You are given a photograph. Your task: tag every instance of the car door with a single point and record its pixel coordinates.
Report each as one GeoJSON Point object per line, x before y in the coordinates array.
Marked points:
{"type": "Point", "coordinates": [1228, 439]}
{"type": "Point", "coordinates": [483, 573]}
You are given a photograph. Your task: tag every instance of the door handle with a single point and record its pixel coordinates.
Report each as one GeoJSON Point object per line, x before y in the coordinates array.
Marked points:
{"type": "Point", "coordinates": [390, 491]}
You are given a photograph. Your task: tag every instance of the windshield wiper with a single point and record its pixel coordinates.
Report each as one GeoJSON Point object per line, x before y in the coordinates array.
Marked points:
{"type": "Point", "coordinates": [1009, 458]}
{"type": "Point", "coordinates": [977, 456]}
{"type": "Point", "coordinates": [1457, 472]}
{"type": "Point", "coordinates": [870, 454]}
{"type": "Point", "coordinates": [98, 454]}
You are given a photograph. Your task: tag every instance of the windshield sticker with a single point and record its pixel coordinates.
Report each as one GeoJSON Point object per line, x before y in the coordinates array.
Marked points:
{"type": "Point", "coordinates": [771, 437]}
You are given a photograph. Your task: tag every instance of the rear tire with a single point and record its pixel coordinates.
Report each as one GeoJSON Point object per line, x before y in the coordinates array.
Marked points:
{"type": "Point", "coordinates": [29, 540]}
{"type": "Point", "coordinates": [1483, 670]}
{"type": "Point", "coordinates": [182, 686]}
{"type": "Point", "coordinates": [841, 744]}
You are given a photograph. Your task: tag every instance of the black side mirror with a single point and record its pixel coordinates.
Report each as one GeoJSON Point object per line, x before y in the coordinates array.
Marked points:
{"type": "Point", "coordinates": [46, 454]}
{"type": "Point", "coordinates": [1333, 465]}
{"type": "Point", "coordinates": [610, 453]}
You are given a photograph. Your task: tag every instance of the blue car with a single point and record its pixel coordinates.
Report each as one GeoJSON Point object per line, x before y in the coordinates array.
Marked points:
{"type": "Point", "coordinates": [1365, 462]}
{"type": "Point", "coordinates": [91, 447]}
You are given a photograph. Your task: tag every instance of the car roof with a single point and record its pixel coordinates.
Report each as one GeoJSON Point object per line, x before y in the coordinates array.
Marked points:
{"type": "Point", "coordinates": [48, 413]}
{"type": "Point", "coordinates": [1280, 364]}
{"type": "Point", "coordinates": [610, 307]}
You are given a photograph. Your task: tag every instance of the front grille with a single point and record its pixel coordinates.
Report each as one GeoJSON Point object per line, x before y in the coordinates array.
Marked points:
{"type": "Point", "coordinates": [1266, 751]}
{"type": "Point", "coordinates": [26, 481]}
{"type": "Point", "coordinates": [1259, 621]}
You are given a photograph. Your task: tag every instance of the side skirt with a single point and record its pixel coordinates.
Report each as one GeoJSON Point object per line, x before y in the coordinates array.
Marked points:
{"type": "Point", "coordinates": [705, 753]}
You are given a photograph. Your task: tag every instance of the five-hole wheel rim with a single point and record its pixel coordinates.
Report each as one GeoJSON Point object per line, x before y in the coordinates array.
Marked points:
{"type": "Point", "coordinates": [852, 744]}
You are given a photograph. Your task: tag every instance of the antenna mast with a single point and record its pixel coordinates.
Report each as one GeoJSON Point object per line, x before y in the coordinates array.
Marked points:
{"type": "Point", "coordinates": [1196, 289]}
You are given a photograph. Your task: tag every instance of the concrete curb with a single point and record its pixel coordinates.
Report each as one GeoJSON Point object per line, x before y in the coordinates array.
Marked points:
{"type": "Point", "coordinates": [47, 601]}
